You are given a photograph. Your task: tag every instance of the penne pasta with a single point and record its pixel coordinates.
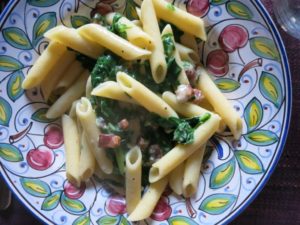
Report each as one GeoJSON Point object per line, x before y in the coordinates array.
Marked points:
{"type": "Point", "coordinates": [72, 149]}
{"type": "Point", "coordinates": [70, 38]}
{"type": "Point", "coordinates": [176, 179]}
{"type": "Point", "coordinates": [112, 90]}
{"type": "Point", "coordinates": [220, 104]}
{"type": "Point", "coordinates": [189, 41]}
{"type": "Point", "coordinates": [181, 152]}
{"type": "Point", "coordinates": [133, 33]}
{"type": "Point", "coordinates": [88, 87]}
{"type": "Point", "coordinates": [87, 118]}
{"type": "Point", "coordinates": [52, 79]}
{"type": "Point", "coordinates": [192, 172]}
{"type": "Point", "coordinates": [187, 54]}
{"type": "Point", "coordinates": [113, 42]}
{"type": "Point", "coordinates": [149, 200]}
{"type": "Point", "coordinates": [49, 59]}
{"type": "Point", "coordinates": [157, 59]}
{"type": "Point", "coordinates": [64, 102]}
{"type": "Point", "coordinates": [144, 96]}
{"type": "Point", "coordinates": [182, 19]}
{"type": "Point", "coordinates": [133, 178]}
{"type": "Point", "coordinates": [182, 78]}
{"type": "Point", "coordinates": [87, 160]}
{"type": "Point", "coordinates": [70, 75]}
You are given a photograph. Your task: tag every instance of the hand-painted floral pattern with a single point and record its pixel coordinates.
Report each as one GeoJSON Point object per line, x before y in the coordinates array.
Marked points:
{"type": "Point", "coordinates": [247, 62]}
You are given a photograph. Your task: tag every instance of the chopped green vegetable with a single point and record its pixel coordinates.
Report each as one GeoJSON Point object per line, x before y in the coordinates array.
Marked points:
{"type": "Point", "coordinates": [171, 7]}
{"type": "Point", "coordinates": [120, 158]}
{"type": "Point", "coordinates": [118, 27]}
{"type": "Point", "coordinates": [168, 43]}
{"type": "Point", "coordinates": [176, 32]}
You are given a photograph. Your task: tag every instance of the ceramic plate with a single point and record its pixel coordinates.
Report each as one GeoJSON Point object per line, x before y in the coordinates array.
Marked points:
{"type": "Point", "coordinates": [246, 57]}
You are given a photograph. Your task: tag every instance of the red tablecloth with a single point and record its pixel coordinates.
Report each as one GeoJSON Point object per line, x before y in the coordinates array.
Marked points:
{"type": "Point", "coordinates": [279, 202]}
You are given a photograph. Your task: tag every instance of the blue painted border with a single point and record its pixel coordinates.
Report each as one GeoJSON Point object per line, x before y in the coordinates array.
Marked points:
{"type": "Point", "coordinates": [288, 107]}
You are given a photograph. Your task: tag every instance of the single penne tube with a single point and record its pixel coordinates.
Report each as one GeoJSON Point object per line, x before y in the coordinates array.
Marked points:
{"type": "Point", "coordinates": [64, 102]}
{"type": "Point", "coordinates": [112, 90]}
{"type": "Point", "coordinates": [72, 149]}
{"type": "Point", "coordinates": [157, 59]}
{"type": "Point", "coordinates": [71, 38]}
{"type": "Point", "coordinates": [113, 42]}
{"type": "Point", "coordinates": [52, 79]}
{"type": "Point", "coordinates": [181, 152]}
{"type": "Point", "coordinates": [191, 172]}
{"type": "Point", "coordinates": [176, 179]}
{"type": "Point", "coordinates": [70, 75]}
{"type": "Point", "coordinates": [88, 87]}
{"type": "Point", "coordinates": [134, 34]}
{"type": "Point", "coordinates": [187, 54]}
{"type": "Point", "coordinates": [219, 102]}
{"type": "Point", "coordinates": [206, 105]}
{"type": "Point", "coordinates": [149, 200]}
{"type": "Point", "coordinates": [49, 59]}
{"type": "Point", "coordinates": [133, 178]}
{"type": "Point", "coordinates": [182, 78]}
{"type": "Point", "coordinates": [87, 118]}
{"type": "Point", "coordinates": [144, 96]}
{"type": "Point", "coordinates": [72, 111]}
{"type": "Point", "coordinates": [189, 41]}
{"type": "Point", "coordinates": [86, 161]}
{"type": "Point", "coordinates": [183, 20]}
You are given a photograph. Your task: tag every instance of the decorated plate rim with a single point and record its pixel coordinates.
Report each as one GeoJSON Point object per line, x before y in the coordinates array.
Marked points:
{"type": "Point", "coordinates": [266, 176]}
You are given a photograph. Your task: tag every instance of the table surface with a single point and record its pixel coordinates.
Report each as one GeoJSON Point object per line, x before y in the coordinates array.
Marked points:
{"type": "Point", "coordinates": [278, 203]}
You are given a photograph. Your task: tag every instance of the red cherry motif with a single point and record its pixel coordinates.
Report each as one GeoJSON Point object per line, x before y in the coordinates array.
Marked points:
{"type": "Point", "coordinates": [197, 7]}
{"type": "Point", "coordinates": [115, 205]}
{"type": "Point", "coordinates": [162, 210]}
{"type": "Point", "coordinates": [233, 37]}
{"type": "Point", "coordinates": [73, 192]}
{"type": "Point", "coordinates": [41, 158]}
{"type": "Point", "coordinates": [53, 137]}
{"type": "Point", "coordinates": [217, 62]}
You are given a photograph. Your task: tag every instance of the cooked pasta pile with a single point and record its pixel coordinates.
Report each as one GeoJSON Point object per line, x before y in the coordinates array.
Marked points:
{"type": "Point", "coordinates": [135, 103]}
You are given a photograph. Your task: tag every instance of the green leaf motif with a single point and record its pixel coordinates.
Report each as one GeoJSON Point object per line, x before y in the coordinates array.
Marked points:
{"type": "Point", "coordinates": [222, 174]}
{"type": "Point", "coordinates": [218, 2]}
{"type": "Point", "coordinates": [181, 220]}
{"type": "Point", "coordinates": [130, 11]}
{"type": "Point", "coordinates": [35, 187]}
{"type": "Point", "coordinates": [10, 153]}
{"type": "Point", "coordinates": [78, 21]}
{"type": "Point", "coordinates": [227, 85]}
{"type": "Point", "coordinates": [5, 112]}
{"type": "Point", "coordinates": [42, 3]}
{"type": "Point", "coordinates": [253, 114]}
{"type": "Point", "coordinates": [270, 88]}
{"type": "Point", "coordinates": [44, 23]}
{"type": "Point", "coordinates": [82, 220]}
{"type": "Point", "coordinates": [52, 201]}
{"type": "Point", "coordinates": [72, 205]}
{"type": "Point", "coordinates": [217, 203]}
{"type": "Point", "coordinates": [40, 116]}
{"type": "Point", "coordinates": [113, 220]}
{"type": "Point", "coordinates": [14, 86]}
{"type": "Point", "coordinates": [16, 38]}
{"type": "Point", "coordinates": [265, 48]}
{"type": "Point", "coordinates": [8, 63]}
{"type": "Point", "coordinates": [261, 137]}
{"type": "Point", "coordinates": [239, 10]}
{"type": "Point", "coordinates": [249, 162]}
